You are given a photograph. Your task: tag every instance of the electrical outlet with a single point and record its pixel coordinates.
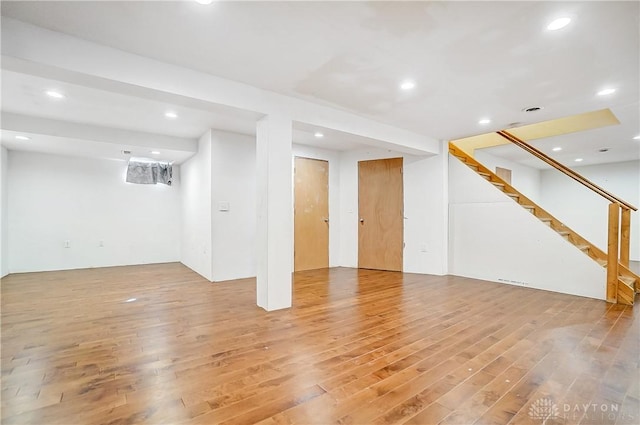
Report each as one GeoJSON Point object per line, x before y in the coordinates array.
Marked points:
{"type": "Point", "coordinates": [67, 244]}
{"type": "Point", "coordinates": [100, 244]}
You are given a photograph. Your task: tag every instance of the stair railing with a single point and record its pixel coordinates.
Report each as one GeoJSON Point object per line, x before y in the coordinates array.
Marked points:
{"type": "Point", "coordinates": [619, 226]}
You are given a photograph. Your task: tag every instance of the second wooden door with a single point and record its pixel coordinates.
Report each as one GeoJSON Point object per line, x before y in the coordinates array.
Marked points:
{"type": "Point", "coordinates": [381, 218]}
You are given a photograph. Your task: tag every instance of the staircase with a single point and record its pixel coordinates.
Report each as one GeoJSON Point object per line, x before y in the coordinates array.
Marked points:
{"type": "Point", "coordinates": [627, 284]}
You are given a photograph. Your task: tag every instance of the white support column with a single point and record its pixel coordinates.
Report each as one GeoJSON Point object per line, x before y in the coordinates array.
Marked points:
{"type": "Point", "coordinates": [275, 212]}
{"type": "Point", "coordinates": [444, 163]}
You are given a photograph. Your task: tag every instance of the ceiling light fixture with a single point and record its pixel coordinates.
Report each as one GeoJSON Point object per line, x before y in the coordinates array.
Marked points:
{"type": "Point", "coordinates": [559, 23]}
{"type": "Point", "coordinates": [603, 150]}
{"type": "Point", "coordinates": [606, 92]}
{"type": "Point", "coordinates": [532, 109]}
{"type": "Point", "coordinates": [407, 85]}
{"type": "Point", "coordinates": [54, 94]}
{"type": "Point", "coordinates": [319, 135]}
{"type": "Point", "coordinates": [20, 137]}
{"type": "Point", "coordinates": [557, 149]}
{"type": "Point", "coordinates": [484, 121]}
{"type": "Point", "coordinates": [578, 160]}
{"type": "Point", "coordinates": [171, 115]}
{"type": "Point", "coordinates": [204, 1]}
{"type": "Point", "coordinates": [155, 152]}
{"type": "Point", "coordinates": [637, 137]}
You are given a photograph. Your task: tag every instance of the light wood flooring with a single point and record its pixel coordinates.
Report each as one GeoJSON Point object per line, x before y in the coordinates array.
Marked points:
{"type": "Point", "coordinates": [358, 347]}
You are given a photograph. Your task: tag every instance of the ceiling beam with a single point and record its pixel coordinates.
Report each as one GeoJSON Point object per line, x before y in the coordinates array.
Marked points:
{"type": "Point", "coordinates": [55, 55]}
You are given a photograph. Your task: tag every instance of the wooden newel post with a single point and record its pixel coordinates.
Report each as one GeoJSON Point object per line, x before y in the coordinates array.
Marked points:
{"type": "Point", "coordinates": [625, 236]}
{"type": "Point", "coordinates": [612, 253]}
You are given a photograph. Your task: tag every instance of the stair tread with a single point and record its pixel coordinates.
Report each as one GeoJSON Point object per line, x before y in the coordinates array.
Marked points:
{"type": "Point", "coordinates": [628, 280]}
{"type": "Point", "coordinates": [582, 247]}
{"type": "Point", "coordinates": [603, 263]}
{"type": "Point", "coordinates": [563, 232]}
{"type": "Point", "coordinates": [545, 219]}
{"type": "Point", "coordinates": [513, 195]}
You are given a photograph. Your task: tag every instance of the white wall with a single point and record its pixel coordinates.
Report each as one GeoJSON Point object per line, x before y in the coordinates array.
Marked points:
{"type": "Point", "coordinates": [527, 180]}
{"type": "Point", "coordinates": [424, 209]}
{"type": "Point", "coordinates": [196, 242]}
{"type": "Point", "coordinates": [333, 158]}
{"type": "Point", "coordinates": [586, 212]}
{"type": "Point", "coordinates": [85, 201]}
{"type": "Point", "coordinates": [233, 182]}
{"type": "Point", "coordinates": [4, 228]}
{"type": "Point", "coordinates": [493, 238]}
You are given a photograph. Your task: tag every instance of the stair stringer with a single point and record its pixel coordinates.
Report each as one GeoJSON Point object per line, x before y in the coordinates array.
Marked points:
{"type": "Point", "coordinates": [493, 238]}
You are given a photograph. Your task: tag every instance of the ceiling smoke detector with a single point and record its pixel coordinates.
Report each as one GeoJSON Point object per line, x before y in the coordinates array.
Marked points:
{"type": "Point", "coordinates": [532, 109]}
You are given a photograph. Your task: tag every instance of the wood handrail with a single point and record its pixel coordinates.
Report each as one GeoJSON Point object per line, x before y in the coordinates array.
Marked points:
{"type": "Point", "coordinates": [565, 170]}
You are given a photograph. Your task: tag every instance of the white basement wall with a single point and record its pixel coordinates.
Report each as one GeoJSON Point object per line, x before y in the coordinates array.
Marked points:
{"type": "Point", "coordinates": [525, 179]}
{"type": "Point", "coordinates": [196, 240]}
{"type": "Point", "coordinates": [425, 206]}
{"type": "Point", "coordinates": [233, 197]}
{"type": "Point", "coordinates": [492, 238]}
{"type": "Point", "coordinates": [219, 205]}
{"type": "Point", "coordinates": [4, 234]}
{"type": "Point", "coordinates": [106, 221]}
{"type": "Point", "coordinates": [586, 212]}
{"type": "Point", "coordinates": [333, 158]}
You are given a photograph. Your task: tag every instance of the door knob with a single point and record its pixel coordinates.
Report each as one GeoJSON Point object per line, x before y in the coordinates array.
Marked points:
{"type": "Point", "coordinates": [326, 220]}
{"type": "Point", "coordinates": [362, 220]}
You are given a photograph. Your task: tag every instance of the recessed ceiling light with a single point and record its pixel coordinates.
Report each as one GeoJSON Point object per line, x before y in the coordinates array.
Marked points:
{"type": "Point", "coordinates": [606, 92]}
{"type": "Point", "coordinates": [171, 115]}
{"type": "Point", "coordinates": [637, 137]}
{"type": "Point", "coordinates": [23, 137]}
{"type": "Point", "coordinates": [319, 135]}
{"type": "Point", "coordinates": [155, 152]}
{"type": "Point", "coordinates": [558, 24]}
{"type": "Point", "coordinates": [557, 149]}
{"type": "Point", "coordinates": [54, 94]}
{"type": "Point", "coordinates": [484, 121]}
{"type": "Point", "coordinates": [204, 1]}
{"type": "Point", "coordinates": [407, 85]}
{"type": "Point", "coordinates": [578, 160]}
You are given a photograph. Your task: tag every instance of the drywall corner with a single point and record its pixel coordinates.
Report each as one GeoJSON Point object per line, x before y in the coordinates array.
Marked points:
{"type": "Point", "coordinates": [196, 240]}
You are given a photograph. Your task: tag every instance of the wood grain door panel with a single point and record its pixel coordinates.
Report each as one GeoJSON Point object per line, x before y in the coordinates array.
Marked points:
{"type": "Point", "coordinates": [311, 214]}
{"type": "Point", "coordinates": [381, 217]}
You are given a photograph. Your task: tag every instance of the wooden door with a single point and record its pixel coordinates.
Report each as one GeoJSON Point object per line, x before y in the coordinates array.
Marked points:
{"type": "Point", "coordinates": [381, 217]}
{"type": "Point", "coordinates": [311, 214]}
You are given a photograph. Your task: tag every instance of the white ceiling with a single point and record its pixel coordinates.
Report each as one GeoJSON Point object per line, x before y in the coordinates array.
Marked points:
{"type": "Point", "coordinates": [469, 60]}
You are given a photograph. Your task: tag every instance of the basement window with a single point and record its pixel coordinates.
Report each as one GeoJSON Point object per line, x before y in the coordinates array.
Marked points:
{"type": "Point", "coordinates": [149, 171]}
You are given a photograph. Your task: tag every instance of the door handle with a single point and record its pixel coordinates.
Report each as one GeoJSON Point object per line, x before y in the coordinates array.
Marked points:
{"type": "Point", "coordinates": [362, 221]}
{"type": "Point", "coordinates": [326, 220]}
